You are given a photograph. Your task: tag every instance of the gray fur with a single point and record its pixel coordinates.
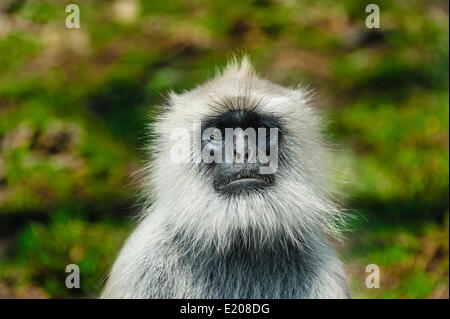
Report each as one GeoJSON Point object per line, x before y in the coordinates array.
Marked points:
{"type": "Point", "coordinates": [192, 243]}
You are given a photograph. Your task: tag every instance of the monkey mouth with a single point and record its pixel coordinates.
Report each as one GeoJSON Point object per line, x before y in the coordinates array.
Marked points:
{"type": "Point", "coordinates": [243, 180]}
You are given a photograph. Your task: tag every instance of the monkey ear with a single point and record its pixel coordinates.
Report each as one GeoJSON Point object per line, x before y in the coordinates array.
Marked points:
{"type": "Point", "coordinates": [241, 67]}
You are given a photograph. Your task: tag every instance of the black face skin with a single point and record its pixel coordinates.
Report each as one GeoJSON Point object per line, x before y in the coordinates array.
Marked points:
{"type": "Point", "coordinates": [239, 178]}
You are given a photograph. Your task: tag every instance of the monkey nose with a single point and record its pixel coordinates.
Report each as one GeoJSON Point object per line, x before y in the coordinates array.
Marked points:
{"type": "Point", "coordinates": [241, 156]}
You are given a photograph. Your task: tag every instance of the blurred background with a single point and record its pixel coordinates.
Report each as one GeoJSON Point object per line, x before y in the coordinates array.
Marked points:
{"type": "Point", "coordinates": [74, 105]}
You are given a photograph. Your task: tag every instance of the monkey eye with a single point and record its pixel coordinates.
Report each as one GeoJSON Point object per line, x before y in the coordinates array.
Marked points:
{"type": "Point", "coordinates": [215, 135]}
{"type": "Point", "coordinates": [266, 130]}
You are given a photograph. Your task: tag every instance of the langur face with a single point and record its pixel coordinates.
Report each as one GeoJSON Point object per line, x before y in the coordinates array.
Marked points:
{"type": "Point", "coordinates": [240, 154]}
{"type": "Point", "coordinates": [240, 151]}
{"type": "Point", "coordinates": [248, 156]}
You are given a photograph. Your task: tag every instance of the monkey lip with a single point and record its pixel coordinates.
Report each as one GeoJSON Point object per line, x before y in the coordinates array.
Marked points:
{"type": "Point", "coordinates": [245, 180]}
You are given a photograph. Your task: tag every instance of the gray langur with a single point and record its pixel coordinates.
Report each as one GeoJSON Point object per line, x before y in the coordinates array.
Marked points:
{"type": "Point", "coordinates": [225, 230]}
